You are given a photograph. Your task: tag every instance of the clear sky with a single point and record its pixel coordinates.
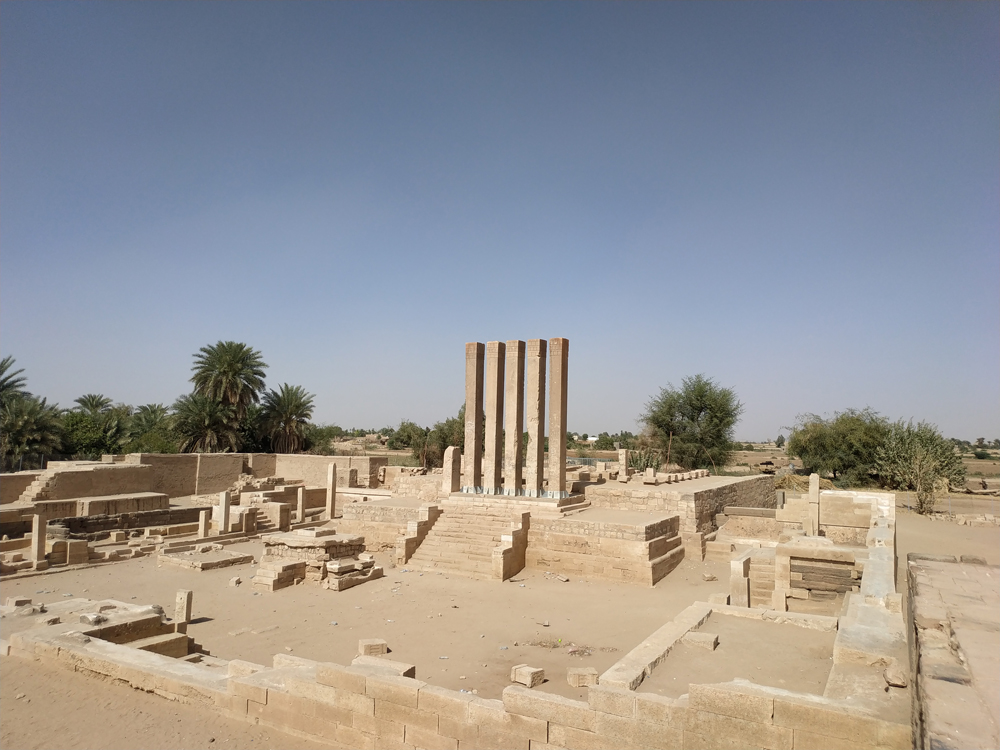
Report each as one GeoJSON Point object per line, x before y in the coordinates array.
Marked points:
{"type": "Point", "coordinates": [799, 200]}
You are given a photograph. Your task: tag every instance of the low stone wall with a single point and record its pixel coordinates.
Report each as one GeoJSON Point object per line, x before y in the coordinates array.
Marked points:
{"type": "Point", "coordinates": [380, 525]}
{"type": "Point", "coordinates": [313, 469]}
{"type": "Point", "coordinates": [427, 487]}
{"type": "Point", "coordinates": [696, 501]}
{"type": "Point", "coordinates": [99, 480]}
{"type": "Point", "coordinates": [641, 554]}
{"type": "Point", "coordinates": [369, 707]}
{"type": "Point", "coordinates": [99, 527]}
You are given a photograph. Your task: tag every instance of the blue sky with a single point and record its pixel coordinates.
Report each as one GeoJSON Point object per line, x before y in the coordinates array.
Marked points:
{"type": "Point", "coordinates": [800, 200]}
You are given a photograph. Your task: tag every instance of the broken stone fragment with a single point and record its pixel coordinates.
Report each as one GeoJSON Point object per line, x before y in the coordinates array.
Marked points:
{"type": "Point", "coordinates": [895, 676]}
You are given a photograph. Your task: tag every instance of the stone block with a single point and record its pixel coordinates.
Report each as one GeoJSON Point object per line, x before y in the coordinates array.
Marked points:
{"type": "Point", "coordinates": [429, 740]}
{"type": "Point", "coordinates": [581, 676]}
{"type": "Point", "coordinates": [611, 700]}
{"type": "Point", "coordinates": [829, 720]}
{"type": "Point", "coordinates": [622, 732]}
{"type": "Point", "coordinates": [725, 730]}
{"type": "Point", "coordinates": [411, 717]}
{"type": "Point", "coordinates": [728, 700]}
{"type": "Point", "coordinates": [445, 703]}
{"type": "Point", "coordinates": [387, 665]}
{"type": "Point", "coordinates": [707, 641]}
{"type": "Point", "coordinates": [344, 678]}
{"type": "Point", "coordinates": [492, 715]}
{"type": "Point", "coordinates": [527, 676]}
{"type": "Point", "coordinates": [372, 647]}
{"type": "Point", "coordinates": [400, 690]}
{"type": "Point", "coordinates": [552, 708]}
{"type": "Point", "coordinates": [382, 729]}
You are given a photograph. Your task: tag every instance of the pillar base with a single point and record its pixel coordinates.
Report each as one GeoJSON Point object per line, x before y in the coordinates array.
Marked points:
{"type": "Point", "coordinates": [557, 494]}
{"type": "Point", "coordinates": [472, 490]}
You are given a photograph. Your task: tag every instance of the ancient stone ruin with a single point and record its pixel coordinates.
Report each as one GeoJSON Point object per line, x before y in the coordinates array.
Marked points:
{"type": "Point", "coordinates": [812, 573]}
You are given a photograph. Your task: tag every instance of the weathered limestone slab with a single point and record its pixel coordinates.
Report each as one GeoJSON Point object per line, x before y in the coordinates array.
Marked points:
{"type": "Point", "coordinates": [513, 417]}
{"type": "Point", "coordinates": [534, 417]}
{"type": "Point", "coordinates": [472, 479]}
{"type": "Point", "coordinates": [558, 383]}
{"type": "Point", "coordinates": [183, 605]}
{"type": "Point", "coordinates": [331, 492]}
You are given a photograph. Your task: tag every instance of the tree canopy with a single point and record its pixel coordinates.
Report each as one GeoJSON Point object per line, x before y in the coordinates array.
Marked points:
{"type": "Point", "coordinates": [287, 411]}
{"type": "Point", "coordinates": [693, 425]}
{"type": "Point", "coordinates": [843, 445]}
{"type": "Point", "coordinates": [230, 373]}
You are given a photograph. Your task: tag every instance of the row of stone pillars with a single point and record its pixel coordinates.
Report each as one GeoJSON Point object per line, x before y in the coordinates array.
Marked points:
{"type": "Point", "coordinates": [495, 375]}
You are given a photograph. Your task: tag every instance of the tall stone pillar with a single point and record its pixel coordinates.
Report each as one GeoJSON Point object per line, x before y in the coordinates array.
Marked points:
{"type": "Point", "coordinates": [472, 481]}
{"type": "Point", "coordinates": [513, 418]}
{"type": "Point", "coordinates": [451, 480]}
{"type": "Point", "coordinates": [331, 491]}
{"type": "Point", "coordinates": [534, 417]}
{"type": "Point", "coordinates": [203, 524]}
{"type": "Point", "coordinates": [300, 505]}
{"type": "Point", "coordinates": [493, 404]}
{"type": "Point", "coordinates": [559, 356]}
{"type": "Point", "coordinates": [224, 501]}
{"type": "Point", "coordinates": [182, 605]}
{"type": "Point", "coordinates": [39, 527]}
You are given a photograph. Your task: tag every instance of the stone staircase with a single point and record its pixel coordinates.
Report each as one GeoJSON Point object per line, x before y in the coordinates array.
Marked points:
{"type": "Point", "coordinates": [38, 490]}
{"type": "Point", "coordinates": [462, 541]}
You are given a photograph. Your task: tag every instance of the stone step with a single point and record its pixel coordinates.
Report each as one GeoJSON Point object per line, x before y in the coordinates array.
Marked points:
{"type": "Point", "coordinates": [466, 571]}
{"type": "Point", "coordinates": [458, 557]}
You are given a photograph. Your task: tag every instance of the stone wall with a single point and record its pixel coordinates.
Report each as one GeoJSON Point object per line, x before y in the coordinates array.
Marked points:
{"type": "Point", "coordinates": [695, 501]}
{"type": "Point", "coordinates": [611, 551]}
{"type": "Point", "coordinates": [94, 481]}
{"type": "Point", "coordinates": [426, 487]}
{"type": "Point", "coordinates": [312, 469]}
{"type": "Point", "coordinates": [14, 483]}
{"type": "Point", "coordinates": [380, 525]}
{"type": "Point", "coordinates": [368, 707]}
{"type": "Point", "coordinates": [99, 527]}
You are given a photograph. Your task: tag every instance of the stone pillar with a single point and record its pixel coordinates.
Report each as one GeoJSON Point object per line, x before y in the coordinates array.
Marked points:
{"type": "Point", "coordinates": [331, 492]}
{"type": "Point", "coordinates": [534, 417]}
{"type": "Point", "coordinates": [300, 505]}
{"type": "Point", "coordinates": [813, 520]}
{"type": "Point", "coordinates": [493, 403]}
{"type": "Point", "coordinates": [473, 479]}
{"type": "Point", "coordinates": [203, 523]}
{"type": "Point", "coordinates": [452, 472]}
{"type": "Point", "coordinates": [513, 449]}
{"type": "Point", "coordinates": [38, 532]}
{"type": "Point", "coordinates": [739, 579]}
{"type": "Point", "coordinates": [182, 606]}
{"type": "Point", "coordinates": [559, 356]}
{"type": "Point", "coordinates": [224, 512]}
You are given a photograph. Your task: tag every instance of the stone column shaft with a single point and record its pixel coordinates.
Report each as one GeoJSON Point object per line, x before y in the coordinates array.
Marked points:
{"type": "Point", "coordinates": [39, 527]}
{"type": "Point", "coordinates": [300, 505]}
{"type": "Point", "coordinates": [472, 481]}
{"type": "Point", "coordinates": [451, 480]}
{"type": "Point", "coordinates": [203, 524]}
{"type": "Point", "coordinates": [224, 501]}
{"type": "Point", "coordinates": [513, 418]}
{"type": "Point", "coordinates": [559, 360]}
{"type": "Point", "coordinates": [493, 404]}
{"type": "Point", "coordinates": [331, 491]}
{"type": "Point", "coordinates": [534, 416]}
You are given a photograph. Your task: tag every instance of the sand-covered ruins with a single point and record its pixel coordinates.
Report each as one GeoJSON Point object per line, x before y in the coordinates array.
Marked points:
{"type": "Point", "coordinates": [511, 599]}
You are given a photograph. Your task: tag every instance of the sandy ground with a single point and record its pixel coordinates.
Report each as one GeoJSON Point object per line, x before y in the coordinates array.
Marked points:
{"type": "Point", "coordinates": [482, 627]}
{"type": "Point", "coordinates": [751, 649]}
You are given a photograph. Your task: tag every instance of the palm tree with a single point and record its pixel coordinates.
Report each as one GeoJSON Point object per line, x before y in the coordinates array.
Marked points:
{"type": "Point", "coordinates": [149, 417]}
{"type": "Point", "coordinates": [204, 425]}
{"type": "Point", "coordinates": [11, 385]}
{"type": "Point", "coordinates": [286, 413]}
{"type": "Point", "coordinates": [28, 425]}
{"type": "Point", "coordinates": [93, 403]}
{"type": "Point", "coordinates": [230, 373]}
